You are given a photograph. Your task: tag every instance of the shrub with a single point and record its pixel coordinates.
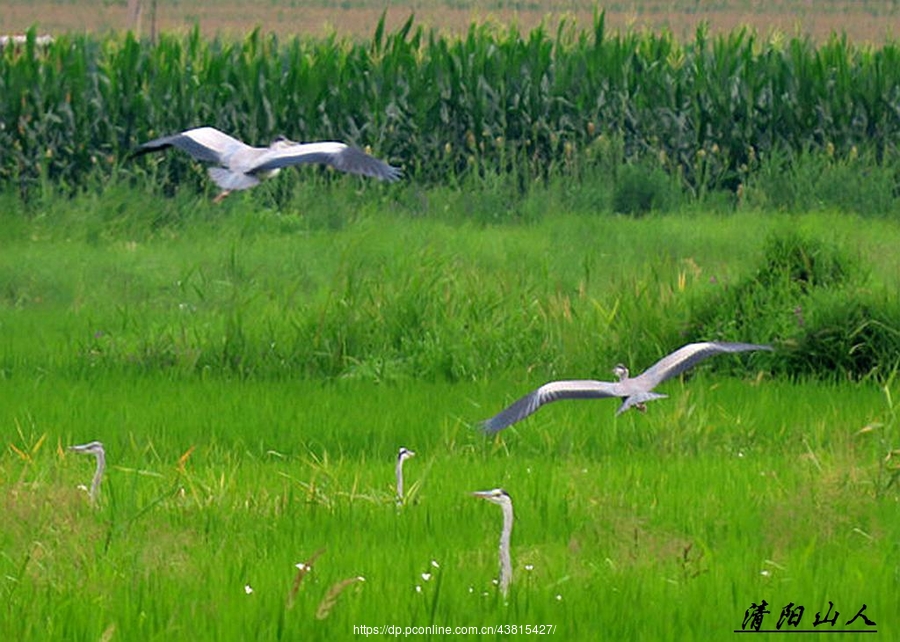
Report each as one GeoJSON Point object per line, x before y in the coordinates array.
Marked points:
{"type": "Point", "coordinates": [640, 190]}
{"type": "Point", "coordinates": [850, 338]}
{"type": "Point", "coordinates": [807, 297]}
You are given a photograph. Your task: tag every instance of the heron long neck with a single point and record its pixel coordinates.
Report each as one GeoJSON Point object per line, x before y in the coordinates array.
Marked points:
{"type": "Point", "coordinates": [505, 561]}
{"type": "Point", "coordinates": [98, 475]}
{"type": "Point", "coordinates": [399, 477]}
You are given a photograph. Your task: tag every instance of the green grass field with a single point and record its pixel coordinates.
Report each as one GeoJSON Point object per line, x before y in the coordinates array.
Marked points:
{"type": "Point", "coordinates": [252, 371]}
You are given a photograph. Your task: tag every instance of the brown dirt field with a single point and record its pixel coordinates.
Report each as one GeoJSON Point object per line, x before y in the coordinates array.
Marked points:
{"type": "Point", "coordinates": [862, 21]}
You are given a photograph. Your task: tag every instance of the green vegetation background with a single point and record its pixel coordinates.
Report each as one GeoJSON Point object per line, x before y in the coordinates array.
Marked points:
{"type": "Point", "coordinates": [253, 367]}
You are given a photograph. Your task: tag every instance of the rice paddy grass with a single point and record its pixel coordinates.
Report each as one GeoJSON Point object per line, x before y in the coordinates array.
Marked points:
{"type": "Point", "coordinates": [666, 525]}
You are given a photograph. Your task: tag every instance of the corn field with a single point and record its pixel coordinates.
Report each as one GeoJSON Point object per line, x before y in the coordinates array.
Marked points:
{"type": "Point", "coordinates": [447, 108]}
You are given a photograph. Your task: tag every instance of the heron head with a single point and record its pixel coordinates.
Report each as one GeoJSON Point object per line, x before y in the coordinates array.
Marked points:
{"type": "Point", "coordinates": [280, 142]}
{"type": "Point", "coordinates": [495, 496]}
{"type": "Point", "coordinates": [620, 371]}
{"type": "Point", "coordinates": [91, 448]}
{"type": "Point", "coordinates": [405, 454]}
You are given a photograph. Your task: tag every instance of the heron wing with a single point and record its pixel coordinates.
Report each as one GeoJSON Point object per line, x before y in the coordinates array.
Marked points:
{"type": "Point", "coordinates": [548, 393]}
{"type": "Point", "coordinates": [686, 357]}
{"type": "Point", "coordinates": [203, 144]}
{"type": "Point", "coordinates": [340, 156]}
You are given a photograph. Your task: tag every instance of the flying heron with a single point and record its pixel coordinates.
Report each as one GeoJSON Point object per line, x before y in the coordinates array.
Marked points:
{"type": "Point", "coordinates": [635, 391]}
{"type": "Point", "coordinates": [504, 501]}
{"type": "Point", "coordinates": [94, 448]}
{"type": "Point", "coordinates": [240, 166]}
{"type": "Point", "coordinates": [402, 456]}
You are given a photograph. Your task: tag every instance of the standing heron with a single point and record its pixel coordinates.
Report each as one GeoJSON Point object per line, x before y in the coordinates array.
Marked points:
{"type": "Point", "coordinates": [501, 498]}
{"type": "Point", "coordinates": [635, 391]}
{"type": "Point", "coordinates": [94, 448]}
{"type": "Point", "coordinates": [240, 166]}
{"type": "Point", "coordinates": [402, 456]}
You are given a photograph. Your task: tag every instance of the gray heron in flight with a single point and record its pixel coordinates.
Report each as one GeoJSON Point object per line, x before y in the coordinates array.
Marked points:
{"type": "Point", "coordinates": [504, 501]}
{"type": "Point", "coordinates": [94, 448]}
{"type": "Point", "coordinates": [635, 391]}
{"type": "Point", "coordinates": [402, 456]}
{"type": "Point", "coordinates": [239, 166]}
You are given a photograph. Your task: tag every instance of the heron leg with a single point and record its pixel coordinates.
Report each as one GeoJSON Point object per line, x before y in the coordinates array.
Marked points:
{"type": "Point", "coordinates": [221, 197]}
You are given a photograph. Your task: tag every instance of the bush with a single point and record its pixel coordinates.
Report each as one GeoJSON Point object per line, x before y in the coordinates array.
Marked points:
{"type": "Point", "coordinates": [640, 190]}
{"type": "Point", "coordinates": [803, 264]}
{"type": "Point", "coordinates": [818, 180]}
{"type": "Point", "coordinates": [808, 298]}
{"type": "Point", "coordinates": [848, 338]}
